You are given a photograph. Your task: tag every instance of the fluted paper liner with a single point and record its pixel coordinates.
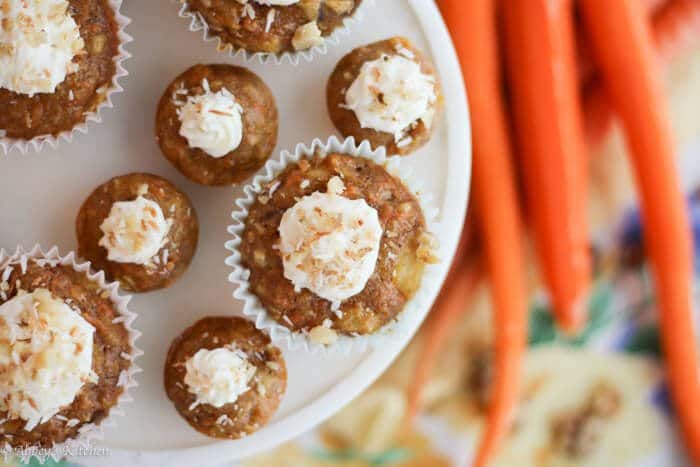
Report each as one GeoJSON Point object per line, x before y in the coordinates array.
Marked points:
{"type": "Point", "coordinates": [39, 142]}
{"type": "Point", "coordinates": [198, 24]}
{"type": "Point", "coordinates": [239, 276]}
{"type": "Point", "coordinates": [89, 432]}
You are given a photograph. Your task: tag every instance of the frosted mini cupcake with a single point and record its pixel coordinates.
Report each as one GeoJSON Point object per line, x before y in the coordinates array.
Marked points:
{"type": "Point", "coordinates": [66, 351]}
{"type": "Point", "coordinates": [335, 245]}
{"type": "Point", "coordinates": [217, 124]}
{"type": "Point", "coordinates": [386, 93]}
{"type": "Point", "coordinates": [140, 229]}
{"type": "Point", "coordinates": [224, 377]}
{"type": "Point", "coordinates": [271, 26]}
{"type": "Point", "coordinates": [58, 61]}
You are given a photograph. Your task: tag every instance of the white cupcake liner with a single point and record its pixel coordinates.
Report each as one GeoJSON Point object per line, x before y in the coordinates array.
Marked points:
{"type": "Point", "coordinates": [197, 24]}
{"type": "Point", "coordinates": [127, 379]}
{"type": "Point", "coordinates": [39, 142]}
{"type": "Point", "coordinates": [239, 276]}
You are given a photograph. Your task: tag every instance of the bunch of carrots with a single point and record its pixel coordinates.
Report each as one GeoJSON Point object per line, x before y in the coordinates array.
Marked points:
{"type": "Point", "coordinates": [546, 79]}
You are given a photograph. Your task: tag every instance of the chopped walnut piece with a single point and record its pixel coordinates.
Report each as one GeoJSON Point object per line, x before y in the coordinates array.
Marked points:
{"type": "Point", "coordinates": [336, 186]}
{"type": "Point", "coordinates": [97, 44]}
{"type": "Point", "coordinates": [307, 36]}
{"type": "Point", "coordinates": [259, 257]}
{"type": "Point", "coordinates": [340, 6]}
{"type": "Point", "coordinates": [323, 334]}
{"type": "Point", "coordinates": [311, 8]}
{"type": "Point", "coordinates": [427, 248]}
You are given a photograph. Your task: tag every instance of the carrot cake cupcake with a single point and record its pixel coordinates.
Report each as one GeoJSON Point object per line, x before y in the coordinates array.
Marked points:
{"type": "Point", "coordinates": [140, 230]}
{"type": "Point", "coordinates": [335, 245]}
{"type": "Point", "coordinates": [272, 26]}
{"type": "Point", "coordinates": [64, 353]}
{"type": "Point", "coordinates": [225, 377]}
{"type": "Point", "coordinates": [217, 124]}
{"type": "Point", "coordinates": [56, 63]}
{"type": "Point", "coordinates": [386, 93]}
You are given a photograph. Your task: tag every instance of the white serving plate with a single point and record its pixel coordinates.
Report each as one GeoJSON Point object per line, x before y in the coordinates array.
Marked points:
{"type": "Point", "coordinates": [40, 195]}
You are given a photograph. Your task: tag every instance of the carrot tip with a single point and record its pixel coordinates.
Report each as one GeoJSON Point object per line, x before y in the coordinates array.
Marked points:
{"type": "Point", "coordinates": [574, 316]}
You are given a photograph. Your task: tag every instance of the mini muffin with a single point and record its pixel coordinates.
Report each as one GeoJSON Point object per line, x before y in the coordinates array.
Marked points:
{"type": "Point", "coordinates": [272, 26]}
{"type": "Point", "coordinates": [386, 93]}
{"type": "Point", "coordinates": [225, 377]}
{"type": "Point", "coordinates": [64, 352]}
{"type": "Point", "coordinates": [140, 230]}
{"type": "Point", "coordinates": [217, 124]}
{"type": "Point", "coordinates": [335, 245]}
{"type": "Point", "coordinates": [56, 63]}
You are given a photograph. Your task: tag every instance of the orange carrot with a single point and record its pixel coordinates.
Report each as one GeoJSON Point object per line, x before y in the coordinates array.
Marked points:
{"type": "Point", "coordinates": [467, 246]}
{"type": "Point", "coordinates": [652, 6]}
{"type": "Point", "coordinates": [546, 109]}
{"type": "Point", "coordinates": [676, 29]}
{"type": "Point", "coordinates": [450, 305]}
{"type": "Point", "coordinates": [598, 116]}
{"type": "Point", "coordinates": [623, 46]}
{"type": "Point", "coordinates": [452, 301]}
{"type": "Point", "coordinates": [586, 69]}
{"type": "Point", "coordinates": [473, 27]}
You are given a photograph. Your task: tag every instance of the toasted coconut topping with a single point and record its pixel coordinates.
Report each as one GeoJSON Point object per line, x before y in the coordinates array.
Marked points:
{"type": "Point", "coordinates": [224, 420]}
{"type": "Point", "coordinates": [330, 244]}
{"type": "Point", "coordinates": [212, 121]}
{"type": "Point", "coordinates": [218, 377]}
{"type": "Point", "coordinates": [134, 231]}
{"type": "Point", "coordinates": [45, 356]}
{"type": "Point", "coordinates": [392, 94]}
{"type": "Point", "coordinates": [270, 19]}
{"type": "Point", "coordinates": [38, 42]}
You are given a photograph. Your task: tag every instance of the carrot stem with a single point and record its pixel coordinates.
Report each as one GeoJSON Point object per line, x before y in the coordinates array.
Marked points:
{"type": "Point", "coordinates": [623, 45]}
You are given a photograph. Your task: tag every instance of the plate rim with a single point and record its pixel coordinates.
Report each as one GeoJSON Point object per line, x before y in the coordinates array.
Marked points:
{"type": "Point", "coordinates": [454, 208]}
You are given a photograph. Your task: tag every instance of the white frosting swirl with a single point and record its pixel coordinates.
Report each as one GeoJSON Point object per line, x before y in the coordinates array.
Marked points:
{"type": "Point", "coordinates": [277, 2]}
{"type": "Point", "coordinates": [134, 231]}
{"type": "Point", "coordinates": [38, 41]}
{"type": "Point", "coordinates": [45, 356]}
{"type": "Point", "coordinates": [390, 94]}
{"type": "Point", "coordinates": [218, 377]}
{"type": "Point", "coordinates": [212, 121]}
{"type": "Point", "coordinates": [330, 244]}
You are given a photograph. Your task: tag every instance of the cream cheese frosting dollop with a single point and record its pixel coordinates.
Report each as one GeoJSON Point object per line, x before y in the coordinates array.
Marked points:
{"type": "Point", "coordinates": [218, 377]}
{"type": "Point", "coordinates": [38, 42]}
{"type": "Point", "coordinates": [45, 356]}
{"type": "Point", "coordinates": [330, 244]}
{"type": "Point", "coordinates": [134, 231]}
{"type": "Point", "coordinates": [390, 94]}
{"type": "Point", "coordinates": [212, 121]}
